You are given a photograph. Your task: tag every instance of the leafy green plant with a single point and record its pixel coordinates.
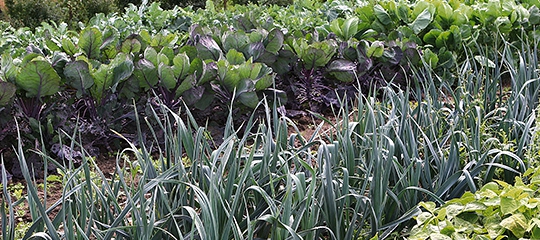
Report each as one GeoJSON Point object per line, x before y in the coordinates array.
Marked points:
{"type": "Point", "coordinates": [495, 211]}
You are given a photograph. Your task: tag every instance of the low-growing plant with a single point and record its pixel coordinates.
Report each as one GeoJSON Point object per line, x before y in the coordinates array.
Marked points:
{"type": "Point", "coordinates": [498, 210]}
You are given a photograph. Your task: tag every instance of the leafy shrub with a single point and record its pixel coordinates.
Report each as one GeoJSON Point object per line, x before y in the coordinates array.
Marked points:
{"type": "Point", "coordinates": [80, 10]}
{"type": "Point", "coordinates": [32, 13]}
{"type": "Point", "coordinates": [498, 210]}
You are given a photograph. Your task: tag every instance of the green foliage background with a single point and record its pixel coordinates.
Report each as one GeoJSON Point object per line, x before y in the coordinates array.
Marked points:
{"type": "Point", "coordinates": [30, 13]}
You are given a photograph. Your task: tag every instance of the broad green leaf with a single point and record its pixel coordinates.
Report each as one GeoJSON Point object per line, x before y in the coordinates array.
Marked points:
{"type": "Point", "coordinates": [445, 12]}
{"type": "Point", "coordinates": [162, 59]}
{"type": "Point", "coordinates": [452, 210]}
{"type": "Point", "coordinates": [503, 24]}
{"type": "Point", "coordinates": [188, 83]}
{"type": "Point", "coordinates": [90, 41]}
{"type": "Point", "coordinates": [274, 41]}
{"type": "Point", "coordinates": [181, 65]}
{"type": "Point", "coordinates": [169, 52]}
{"type": "Point", "coordinates": [422, 21]}
{"type": "Point", "coordinates": [131, 45]}
{"type": "Point", "coordinates": [403, 11]}
{"type": "Point", "coordinates": [255, 50]}
{"type": "Point", "coordinates": [492, 224]}
{"type": "Point", "coordinates": [430, 58]}
{"type": "Point", "coordinates": [196, 67]}
{"type": "Point", "coordinates": [190, 51]}
{"type": "Point", "coordinates": [145, 36]}
{"type": "Point", "coordinates": [235, 40]}
{"type": "Point", "coordinates": [446, 59]}
{"type": "Point", "coordinates": [110, 52]}
{"type": "Point", "coordinates": [130, 88]}
{"type": "Point", "coordinates": [534, 15]}
{"type": "Point", "coordinates": [161, 40]}
{"type": "Point", "coordinates": [7, 91]}
{"type": "Point", "coordinates": [208, 48]}
{"type": "Point", "coordinates": [103, 81]}
{"type": "Point", "coordinates": [78, 76]}
{"type": "Point", "coordinates": [350, 27]}
{"type": "Point", "coordinates": [335, 26]}
{"type": "Point", "coordinates": [167, 76]}
{"type": "Point", "coordinates": [438, 236]}
{"type": "Point", "coordinates": [345, 29]}
{"type": "Point", "coordinates": [110, 38]}
{"type": "Point", "coordinates": [8, 68]}
{"type": "Point", "coordinates": [376, 49]}
{"type": "Point", "coordinates": [31, 56]}
{"type": "Point", "coordinates": [342, 69]}
{"type": "Point", "coordinates": [122, 67]}
{"type": "Point", "coordinates": [431, 36]}
{"type": "Point", "coordinates": [231, 80]}
{"type": "Point", "coordinates": [429, 206]}
{"type": "Point", "coordinates": [509, 205]}
{"type": "Point", "coordinates": [38, 78]}
{"type": "Point", "coordinates": [249, 99]}
{"type": "Point", "coordinates": [382, 15]}
{"type": "Point", "coordinates": [234, 57]}
{"type": "Point", "coordinates": [318, 54]}
{"type": "Point", "coordinates": [209, 72]}
{"type": "Point", "coordinates": [516, 223]}
{"type": "Point", "coordinates": [151, 55]}
{"type": "Point", "coordinates": [69, 47]}
{"type": "Point", "coordinates": [146, 73]}
{"type": "Point", "coordinates": [256, 36]}
{"type": "Point", "coordinates": [264, 82]}
{"type": "Point", "coordinates": [249, 70]}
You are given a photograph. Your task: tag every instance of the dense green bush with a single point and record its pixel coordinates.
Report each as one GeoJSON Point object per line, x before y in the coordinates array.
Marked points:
{"type": "Point", "coordinates": [31, 13]}
{"type": "Point", "coordinates": [23, 13]}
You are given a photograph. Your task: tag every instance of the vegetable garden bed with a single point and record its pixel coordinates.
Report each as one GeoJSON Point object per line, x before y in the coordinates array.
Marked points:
{"type": "Point", "coordinates": [203, 103]}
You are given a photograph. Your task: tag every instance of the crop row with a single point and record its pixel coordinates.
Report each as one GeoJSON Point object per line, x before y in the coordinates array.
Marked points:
{"type": "Point", "coordinates": [208, 59]}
